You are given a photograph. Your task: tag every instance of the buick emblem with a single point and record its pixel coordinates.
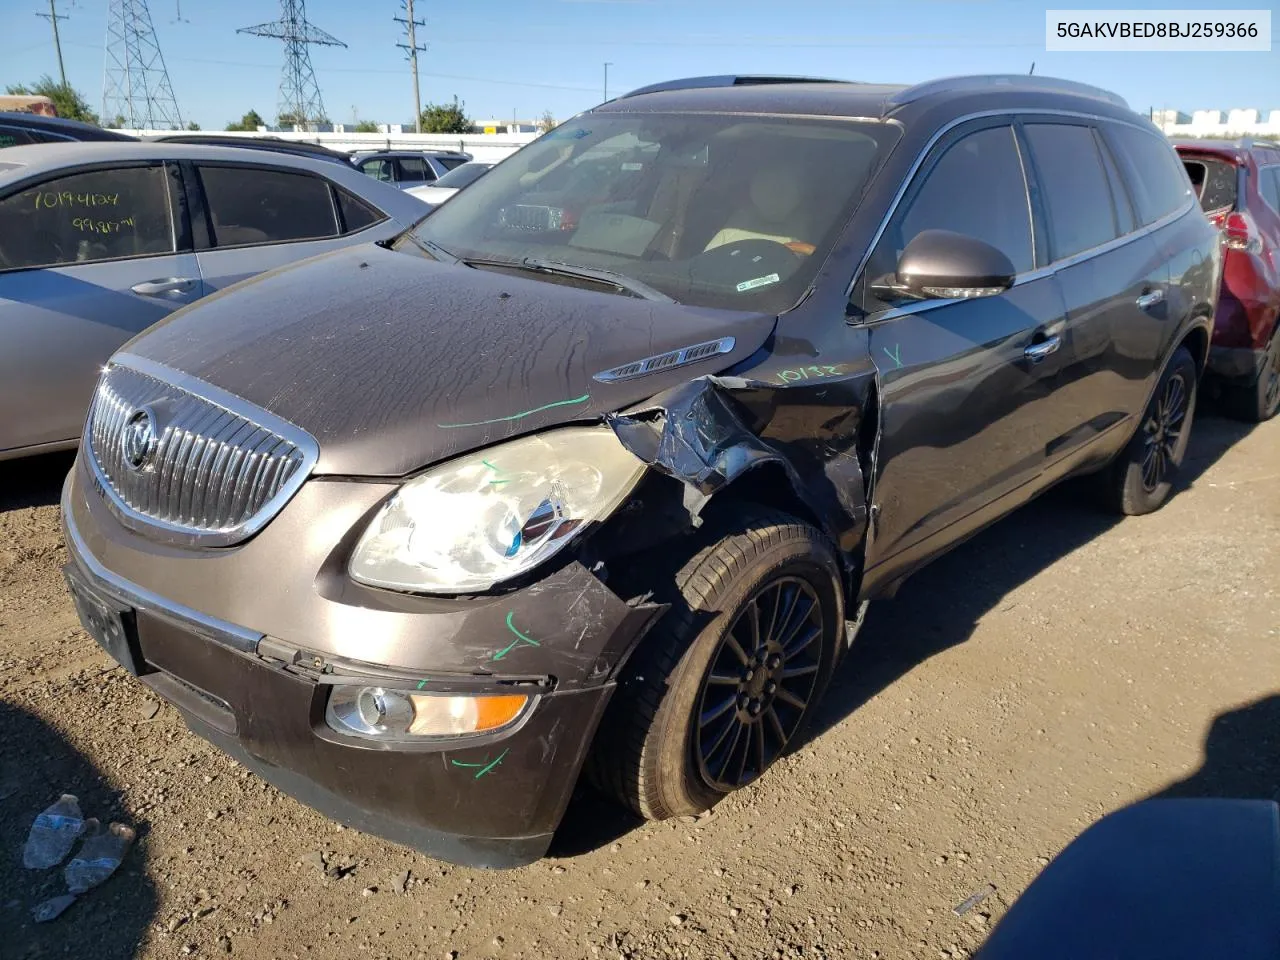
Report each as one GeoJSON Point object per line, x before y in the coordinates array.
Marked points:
{"type": "Point", "coordinates": [139, 440]}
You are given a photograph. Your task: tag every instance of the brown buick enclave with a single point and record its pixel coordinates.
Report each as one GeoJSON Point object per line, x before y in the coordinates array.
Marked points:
{"type": "Point", "coordinates": [597, 466]}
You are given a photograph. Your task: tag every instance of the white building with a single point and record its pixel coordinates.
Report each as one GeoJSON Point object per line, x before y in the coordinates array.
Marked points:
{"type": "Point", "coordinates": [1219, 123]}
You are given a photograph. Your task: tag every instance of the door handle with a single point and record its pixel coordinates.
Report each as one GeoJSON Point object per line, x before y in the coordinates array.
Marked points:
{"type": "Point", "coordinates": [1149, 300]}
{"type": "Point", "coordinates": [1038, 351]}
{"type": "Point", "coordinates": [151, 288]}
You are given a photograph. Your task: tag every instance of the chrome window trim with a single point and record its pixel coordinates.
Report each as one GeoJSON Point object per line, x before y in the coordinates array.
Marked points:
{"type": "Point", "coordinates": [162, 531]}
{"type": "Point", "coordinates": [218, 631]}
{"type": "Point", "coordinates": [1038, 273]}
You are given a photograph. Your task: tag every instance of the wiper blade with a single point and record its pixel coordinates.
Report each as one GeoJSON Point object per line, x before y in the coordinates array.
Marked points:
{"type": "Point", "coordinates": [619, 280]}
{"type": "Point", "coordinates": [434, 250]}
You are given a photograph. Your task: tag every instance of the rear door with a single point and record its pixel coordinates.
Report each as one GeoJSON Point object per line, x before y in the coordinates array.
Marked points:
{"type": "Point", "coordinates": [252, 218]}
{"type": "Point", "coordinates": [413, 171]}
{"type": "Point", "coordinates": [1112, 277]}
{"type": "Point", "coordinates": [87, 259]}
{"type": "Point", "coordinates": [966, 384]}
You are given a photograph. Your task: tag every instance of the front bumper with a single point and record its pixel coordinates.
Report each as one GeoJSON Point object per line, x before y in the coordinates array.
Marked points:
{"type": "Point", "coordinates": [260, 694]}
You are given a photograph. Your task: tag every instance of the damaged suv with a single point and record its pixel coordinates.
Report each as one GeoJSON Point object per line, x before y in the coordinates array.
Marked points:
{"type": "Point", "coordinates": [597, 467]}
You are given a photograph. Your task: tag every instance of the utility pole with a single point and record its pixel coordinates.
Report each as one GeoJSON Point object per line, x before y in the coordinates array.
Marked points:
{"type": "Point", "coordinates": [53, 16]}
{"type": "Point", "coordinates": [606, 79]}
{"type": "Point", "coordinates": [412, 49]}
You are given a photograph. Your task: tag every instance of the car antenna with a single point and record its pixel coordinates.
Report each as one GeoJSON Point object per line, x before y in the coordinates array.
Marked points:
{"type": "Point", "coordinates": [1032, 71]}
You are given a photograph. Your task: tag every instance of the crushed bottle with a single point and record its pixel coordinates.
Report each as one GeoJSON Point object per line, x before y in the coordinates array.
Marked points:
{"type": "Point", "coordinates": [99, 855]}
{"type": "Point", "coordinates": [53, 834]}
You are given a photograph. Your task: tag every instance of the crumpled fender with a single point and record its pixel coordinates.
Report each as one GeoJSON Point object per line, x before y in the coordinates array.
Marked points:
{"type": "Point", "coordinates": [713, 431]}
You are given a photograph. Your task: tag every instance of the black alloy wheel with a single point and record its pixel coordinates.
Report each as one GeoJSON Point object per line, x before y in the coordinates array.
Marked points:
{"type": "Point", "coordinates": [1162, 431]}
{"type": "Point", "coordinates": [760, 683]}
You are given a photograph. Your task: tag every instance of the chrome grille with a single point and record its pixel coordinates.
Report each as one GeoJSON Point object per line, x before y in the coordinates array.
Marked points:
{"type": "Point", "coordinates": [217, 469]}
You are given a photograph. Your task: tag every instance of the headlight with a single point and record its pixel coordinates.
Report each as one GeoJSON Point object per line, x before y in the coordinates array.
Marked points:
{"type": "Point", "coordinates": [484, 518]}
{"type": "Point", "coordinates": [382, 714]}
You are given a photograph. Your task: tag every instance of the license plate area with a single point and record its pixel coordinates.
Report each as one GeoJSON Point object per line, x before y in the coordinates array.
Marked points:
{"type": "Point", "coordinates": [111, 623]}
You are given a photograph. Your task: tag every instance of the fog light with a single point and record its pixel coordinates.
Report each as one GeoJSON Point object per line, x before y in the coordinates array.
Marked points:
{"type": "Point", "coordinates": [383, 714]}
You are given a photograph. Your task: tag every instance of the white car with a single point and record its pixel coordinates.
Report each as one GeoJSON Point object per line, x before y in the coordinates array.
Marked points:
{"type": "Point", "coordinates": [453, 181]}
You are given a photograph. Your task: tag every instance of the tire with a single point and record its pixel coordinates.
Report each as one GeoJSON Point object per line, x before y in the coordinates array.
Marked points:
{"type": "Point", "coordinates": [1140, 478]}
{"type": "Point", "coordinates": [652, 754]}
{"type": "Point", "coordinates": [1260, 401]}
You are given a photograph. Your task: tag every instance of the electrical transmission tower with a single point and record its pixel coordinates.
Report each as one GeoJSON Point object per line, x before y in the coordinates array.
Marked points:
{"type": "Point", "coordinates": [299, 92]}
{"type": "Point", "coordinates": [412, 49]}
{"type": "Point", "coordinates": [136, 84]}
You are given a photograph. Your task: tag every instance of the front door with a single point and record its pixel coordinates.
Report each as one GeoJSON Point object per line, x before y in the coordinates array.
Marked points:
{"type": "Point", "coordinates": [965, 384]}
{"type": "Point", "coordinates": [87, 260]}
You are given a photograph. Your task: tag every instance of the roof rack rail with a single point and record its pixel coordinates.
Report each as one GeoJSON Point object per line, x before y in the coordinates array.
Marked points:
{"type": "Point", "coordinates": [1248, 142]}
{"type": "Point", "coordinates": [1007, 80]}
{"type": "Point", "coordinates": [724, 80]}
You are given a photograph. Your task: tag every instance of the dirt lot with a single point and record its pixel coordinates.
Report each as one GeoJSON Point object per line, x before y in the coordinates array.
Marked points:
{"type": "Point", "coordinates": [1049, 671]}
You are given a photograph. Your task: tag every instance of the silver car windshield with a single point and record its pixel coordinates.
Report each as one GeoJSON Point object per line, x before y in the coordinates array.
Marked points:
{"type": "Point", "coordinates": [713, 210]}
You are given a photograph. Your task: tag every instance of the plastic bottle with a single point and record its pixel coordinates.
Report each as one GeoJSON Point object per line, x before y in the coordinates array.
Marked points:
{"type": "Point", "coordinates": [98, 858]}
{"type": "Point", "coordinates": [53, 834]}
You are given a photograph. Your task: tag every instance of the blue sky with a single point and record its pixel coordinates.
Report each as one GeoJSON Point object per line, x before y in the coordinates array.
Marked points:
{"type": "Point", "coordinates": [503, 57]}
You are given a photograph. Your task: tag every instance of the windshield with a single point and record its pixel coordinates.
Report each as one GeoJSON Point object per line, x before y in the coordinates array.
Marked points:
{"type": "Point", "coordinates": [721, 211]}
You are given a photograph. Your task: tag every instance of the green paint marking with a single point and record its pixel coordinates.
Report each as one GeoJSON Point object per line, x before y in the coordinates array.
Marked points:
{"type": "Point", "coordinates": [517, 416]}
{"type": "Point", "coordinates": [490, 466]}
{"type": "Point", "coordinates": [485, 766]}
{"type": "Point", "coordinates": [494, 483]}
{"type": "Point", "coordinates": [421, 684]}
{"type": "Point", "coordinates": [516, 642]}
{"type": "Point", "coordinates": [895, 355]}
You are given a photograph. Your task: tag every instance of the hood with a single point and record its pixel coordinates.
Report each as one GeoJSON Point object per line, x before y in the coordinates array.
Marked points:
{"type": "Point", "coordinates": [393, 361]}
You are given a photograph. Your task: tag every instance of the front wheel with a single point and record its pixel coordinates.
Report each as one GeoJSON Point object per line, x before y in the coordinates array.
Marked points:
{"type": "Point", "coordinates": [723, 684]}
{"type": "Point", "coordinates": [1140, 479]}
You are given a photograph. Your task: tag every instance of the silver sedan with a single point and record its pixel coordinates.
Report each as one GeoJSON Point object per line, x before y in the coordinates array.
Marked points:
{"type": "Point", "coordinates": [99, 241]}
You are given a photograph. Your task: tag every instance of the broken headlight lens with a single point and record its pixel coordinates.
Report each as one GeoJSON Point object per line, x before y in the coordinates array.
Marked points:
{"type": "Point", "coordinates": [486, 517]}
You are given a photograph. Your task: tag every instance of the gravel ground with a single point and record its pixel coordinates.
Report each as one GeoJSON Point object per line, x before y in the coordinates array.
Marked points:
{"type": "Point", "coordinates": [1052, 669]}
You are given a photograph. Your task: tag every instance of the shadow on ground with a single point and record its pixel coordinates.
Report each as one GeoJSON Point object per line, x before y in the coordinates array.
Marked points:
{"type": "Point", "coordinates": [1241, 756]}
{"type": "Point", "coordinates": [33, 481]}
{"type": "Point", "coordinates": [37, 765]}
{"type": "Point", "coordinates": [938, 608]}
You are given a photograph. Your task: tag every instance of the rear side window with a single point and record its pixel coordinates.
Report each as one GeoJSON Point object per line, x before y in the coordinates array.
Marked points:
{"type": "Point", "coordinates": [975, 188]}
{"type": "Point", "coordinates": [451, 163]}
{"type": "Point", "coordinates": [415, 170]}
{"type": "Point", "coordinates": [1269, 183]}
{"type": "Point", "coordinates": [250, 205]}
{"type": "Point", "coordinates": [356, 214]}
{"type": "Point", "coordinates": [95, 215]}
{"type": "Point", "coordinates": [380, 169]}
{"type": "Point", "coordinates": [1214, 182]}
{"type": "Point", "coordinates": [1155, 176]}
{"type": "Point", "coordinates": [1074, 185]}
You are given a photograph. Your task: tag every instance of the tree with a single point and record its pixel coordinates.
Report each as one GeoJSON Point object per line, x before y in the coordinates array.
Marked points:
{"type": "Point", "coordinates": [249, 123]}
{"type": "Point", "coordinates": [193, 125]}
{"type": "Point", "coordinates": [446, 118]}
{"type": "Point", "coordinates": [547, 122]}
{"type": "Point", "coordinates": [67, 100]}
{"type": "Point", "coordinates": [366, 126]}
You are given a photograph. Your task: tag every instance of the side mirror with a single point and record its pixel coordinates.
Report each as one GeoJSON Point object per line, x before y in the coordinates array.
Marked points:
{"type": "Point", "coordinates": [940, 264]}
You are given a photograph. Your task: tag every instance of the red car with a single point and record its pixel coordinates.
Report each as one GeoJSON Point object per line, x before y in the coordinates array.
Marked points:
{"type": "Point", "coordinates": [1239, 188]}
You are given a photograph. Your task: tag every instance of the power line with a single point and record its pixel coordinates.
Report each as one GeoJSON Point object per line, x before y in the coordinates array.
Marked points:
{"type": "Point", "coordinates": [412, 49]}
{"type": "Point", "coordinates": [299, 92]}
{"type": "Point", "coordinates": [136, 82]}
{"type": "Point", "coordinates": [53, 16]}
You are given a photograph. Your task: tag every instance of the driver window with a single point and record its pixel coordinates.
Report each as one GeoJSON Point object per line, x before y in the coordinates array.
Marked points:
{"type": "Point", "coordinates": [96, 215]}
{"type": "Point", "coordinates": [976, 187]}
